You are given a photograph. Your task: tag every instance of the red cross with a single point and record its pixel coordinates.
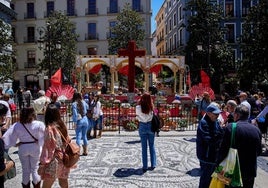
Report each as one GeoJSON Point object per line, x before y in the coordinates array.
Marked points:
{"type": "Point", "coordinates": [131, 52]}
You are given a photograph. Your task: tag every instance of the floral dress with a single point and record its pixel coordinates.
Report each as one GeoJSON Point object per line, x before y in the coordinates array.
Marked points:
{"type": "Point", "coordinates": [50, 165]}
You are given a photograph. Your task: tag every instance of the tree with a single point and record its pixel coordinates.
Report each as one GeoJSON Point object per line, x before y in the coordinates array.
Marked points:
{"type": "Point", "coordinates": [204, 26]}
{"type": "Point", "coordinates": [59, 31]}
{"type": "Point", "coordinates": [6, 52]}
{"type": "Point", "coordinates": [254, 44]}
{"type": "Point", "coordinates": [128, 27]}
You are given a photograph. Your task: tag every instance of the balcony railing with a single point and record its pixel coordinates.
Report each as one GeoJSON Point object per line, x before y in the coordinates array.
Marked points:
{"type": "Point", "coordinates": [30, 15]}
{"type": "Point", "coordinates": [91, 11]}
{"type": "Point", "coordinates": [94, 36]}
{"type": "Point", "coordinates": [113, 10]}
{"type": "Point", "coordinates": [70, 13]}
{"type": "Point", "coordinates": [30, 39]}
{"type": "Point", "coordinates": [30, 65]}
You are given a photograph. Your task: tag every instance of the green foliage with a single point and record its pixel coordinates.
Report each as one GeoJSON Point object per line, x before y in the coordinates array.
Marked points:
{"type": "Point", "coordinates": [128, 27]}
{"type": "Point", "coordinates": [254, 43]}
{"type": "Point", "coordinates": [6, 57]}
{"type": "Point", "coordinates": [59, 30]}
{"type": "Point", "coordinates": [205, 29]}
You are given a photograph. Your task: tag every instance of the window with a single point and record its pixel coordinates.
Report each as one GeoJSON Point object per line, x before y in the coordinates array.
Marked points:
{"type": "Point", "coordinates": [92, 31]}
{"type": "Point", "coordinates": [30, 59]}
{"type": "Point", "coordinates": [170, 44]}
{"type": "Point", "coordinates": [50, 7]}
{"type": "Point", "coordinates": [180, 13]}
{"type": "Point", "coordinates": [113, 6]}
{"type": "Point", "coordinates": [92, 7]}
{"type": "Point", "coordinates": [92, 51]}
{"type": "Point", "coordinates": [230, 35]}
{"type": "Point", "coordinates": [112, 24]}
{"type": "Point", "coordinates": [30, 34]}
{"type": "Point", "coordinates": [180, 37]}
{"type": "Point", "coordinates": [136, 5]}
{"type": "Point", "coordinates": [70, 7]}
{"type": "Point", "coordinates": [175, 41]}
{"type": "Point", "coordinates": [245, 7]}
{"type": "Point", "coordinates": [229, 8]}
{"type": "Point", "coordinates": [30, 10]}
{"type": "Point", "coordinates": [170, 25]}
{"type": "Point", "coordinates": [175, 19]}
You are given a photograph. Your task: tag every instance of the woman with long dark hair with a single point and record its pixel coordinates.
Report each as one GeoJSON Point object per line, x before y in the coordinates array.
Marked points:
{"type": "Point", "coordinates": [144, 112]}
{"type": "Point", "coordinates": [30, 134]}
{"type": "Point", "coordinates": [79, 111]}
{"type": "Point", "coordinates": [51, 167]}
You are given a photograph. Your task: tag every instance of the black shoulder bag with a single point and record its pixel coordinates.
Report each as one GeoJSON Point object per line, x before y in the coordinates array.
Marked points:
{"type": "Point", "coordinates": [35, 139]}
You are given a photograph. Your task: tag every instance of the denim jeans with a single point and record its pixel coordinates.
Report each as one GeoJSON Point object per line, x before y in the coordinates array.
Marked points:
{"type": "Point", "coordinates": [147, 136]}
{"type": "Point", "coordinates": [97, 124]}
{"type": "Point", "coordinates": [81, 130]}
{"type": "Point", "coordinates": [90, 124]}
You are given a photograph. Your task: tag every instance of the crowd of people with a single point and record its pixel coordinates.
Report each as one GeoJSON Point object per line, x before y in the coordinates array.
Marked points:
{"type": "Point", "coordinates": [215, 129]}
{"type": "Point", "coordinates": [38, 135]}
{"type": "Point", "coordinates": [41, 127]}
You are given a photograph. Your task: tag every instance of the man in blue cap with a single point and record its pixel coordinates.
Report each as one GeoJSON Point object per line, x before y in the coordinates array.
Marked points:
{"type": "Point", "coordinates": [209, 138]}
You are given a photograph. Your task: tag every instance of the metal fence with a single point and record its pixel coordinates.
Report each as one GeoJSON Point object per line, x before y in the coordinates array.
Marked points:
{"type": "Point", "coordinates": [121, 116]}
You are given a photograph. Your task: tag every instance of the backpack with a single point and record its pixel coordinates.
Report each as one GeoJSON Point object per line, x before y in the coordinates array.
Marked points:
{"type": "Point", "coordinates": [71, 153]}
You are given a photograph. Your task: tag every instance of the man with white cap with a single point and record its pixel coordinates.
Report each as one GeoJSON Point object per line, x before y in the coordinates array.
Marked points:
{"type": "Point", "coordinates": [40, 104]}
{"type": "Point", "coordinates": [209, 138]}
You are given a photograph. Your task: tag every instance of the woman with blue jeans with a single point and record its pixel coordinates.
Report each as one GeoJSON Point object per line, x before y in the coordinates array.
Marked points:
{"type": "Point", "coordinates": [79, 111]}
{"type": "Point", "coordinates": [144, 113]}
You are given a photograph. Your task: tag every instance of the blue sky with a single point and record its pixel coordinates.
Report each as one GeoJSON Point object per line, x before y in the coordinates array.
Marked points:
{"type": "Point", "coordinates": [156, 4]}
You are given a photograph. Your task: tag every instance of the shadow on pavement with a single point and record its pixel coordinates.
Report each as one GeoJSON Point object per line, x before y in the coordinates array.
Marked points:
{"type": "Point", "coordinates": [126, 172]}
{"type": "Point", "coordinates": [190, 140]}
{"type": "Point", "coordinates": [133, 142]}
{"type": "Point", "coordinates": [195, 172]}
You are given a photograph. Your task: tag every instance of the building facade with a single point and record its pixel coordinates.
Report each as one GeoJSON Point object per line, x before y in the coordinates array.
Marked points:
{"type": "Point", "coordinates": [160, 31]}
{"type": "Point", "coordinates": [92, 19]}
{"type": "Point", "coordinates": [172, 19]}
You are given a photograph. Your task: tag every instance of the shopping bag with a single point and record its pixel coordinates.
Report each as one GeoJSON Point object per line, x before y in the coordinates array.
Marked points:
{"type": "Point", "coordinates": [215, 183]}
{"type": "Point", "coordinates": [228, 171]}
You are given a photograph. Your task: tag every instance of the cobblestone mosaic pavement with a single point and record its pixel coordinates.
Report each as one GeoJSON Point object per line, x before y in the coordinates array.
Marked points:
{"type": "Point", "coordinates": [115, 161]}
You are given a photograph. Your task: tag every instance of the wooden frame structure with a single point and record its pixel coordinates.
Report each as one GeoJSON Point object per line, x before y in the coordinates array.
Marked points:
{"type": "Point", "coordinates": [86, 62]}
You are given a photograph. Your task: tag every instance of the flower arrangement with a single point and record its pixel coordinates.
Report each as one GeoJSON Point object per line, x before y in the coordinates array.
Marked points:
{"type": "Point", "coordinates": [131, 125]}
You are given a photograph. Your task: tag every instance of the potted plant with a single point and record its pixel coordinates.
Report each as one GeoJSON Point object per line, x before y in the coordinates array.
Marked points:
{"type": "Point", "coordinates": [182, 124]}
{"type": "Point", "coordinates": [131, 125]}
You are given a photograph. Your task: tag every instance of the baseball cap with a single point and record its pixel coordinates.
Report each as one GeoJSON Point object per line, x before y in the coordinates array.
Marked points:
{"type": "Point", "coordinates": [213, 109]}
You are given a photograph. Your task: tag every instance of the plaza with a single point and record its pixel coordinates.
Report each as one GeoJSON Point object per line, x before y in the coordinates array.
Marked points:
{"type": "Point", "coordinates": [115, 161]}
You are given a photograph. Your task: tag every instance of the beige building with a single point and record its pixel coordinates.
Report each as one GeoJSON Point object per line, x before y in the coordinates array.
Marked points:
{"type": "Point", "coordinates": [160, 31]}
{"type": "Point", "coordinates": [92, 19]}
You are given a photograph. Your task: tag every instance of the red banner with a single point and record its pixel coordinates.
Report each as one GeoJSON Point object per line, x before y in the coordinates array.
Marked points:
{"type": "Point", "coordinates": [124, 70]}
{"type": "Point", "coordinates": [156, 69]}
{"type": "Point", "coordinates": [205, 79]}
{"type": "Point", "coordinates": [56, 79]}
{"type": "Point", "coordinates": [96, 69]}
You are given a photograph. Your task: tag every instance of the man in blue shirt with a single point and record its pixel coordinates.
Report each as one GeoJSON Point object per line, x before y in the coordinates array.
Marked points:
{"type": "Point", "coordinates": [209, 138]}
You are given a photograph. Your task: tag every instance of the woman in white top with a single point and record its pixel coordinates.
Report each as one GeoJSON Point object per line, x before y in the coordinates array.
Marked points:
{"type": "Point", "coordinates": [144, 113]}
{"type": "Point", "coordinates": [97, 117]}
{"type": "Point", "coordinates": [30, 134]}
